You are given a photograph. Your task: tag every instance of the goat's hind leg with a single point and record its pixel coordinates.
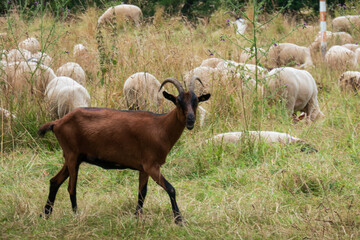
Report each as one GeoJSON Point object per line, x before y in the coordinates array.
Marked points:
{"type": "Point", "coordinates": [143, 180]}
{"type": "Point", "coordinates": [55, 184]}
{"type": "Point", "coordinates": [73, 166]}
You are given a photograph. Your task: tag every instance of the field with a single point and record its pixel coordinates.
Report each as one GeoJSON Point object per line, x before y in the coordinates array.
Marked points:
{"type": "Point", "coordinates": [243, 191]}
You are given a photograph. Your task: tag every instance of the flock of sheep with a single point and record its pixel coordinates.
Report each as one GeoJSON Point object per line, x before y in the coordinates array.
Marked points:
{"type": "Point", "coordinates": [25, 69]}
{"type": "Point", "coordinates": [64, 90]}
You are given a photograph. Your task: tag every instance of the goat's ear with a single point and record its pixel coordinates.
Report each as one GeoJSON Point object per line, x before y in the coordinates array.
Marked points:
{"type": "Point", "coordinates": [170, 97]}
{"type": "Point", "coordinates": [204, 97]}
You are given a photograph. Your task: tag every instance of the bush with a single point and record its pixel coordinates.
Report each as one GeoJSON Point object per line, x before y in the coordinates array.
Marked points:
{"type": "Point", "coordinates": [188, 8]}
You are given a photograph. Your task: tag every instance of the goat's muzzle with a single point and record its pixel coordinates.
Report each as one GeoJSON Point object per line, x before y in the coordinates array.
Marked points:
{"type": "Point", "coordinates": [190, 121]}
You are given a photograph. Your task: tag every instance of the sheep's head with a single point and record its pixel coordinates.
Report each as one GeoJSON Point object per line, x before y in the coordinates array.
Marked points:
{"type": "Point", "coordinates": [187, 102]}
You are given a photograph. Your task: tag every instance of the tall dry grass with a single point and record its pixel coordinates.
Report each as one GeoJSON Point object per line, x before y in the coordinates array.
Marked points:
{"type": "Point", "coordinates": [244, 191]}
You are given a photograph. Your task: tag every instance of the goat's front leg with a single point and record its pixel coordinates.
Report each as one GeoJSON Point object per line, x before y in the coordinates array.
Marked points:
{"type": "Point", "coordinates": [143, 180]}
{"type": "Point", "coordinates": [55, 183]}
{"type": "Point", "coordinates": [156, 175]}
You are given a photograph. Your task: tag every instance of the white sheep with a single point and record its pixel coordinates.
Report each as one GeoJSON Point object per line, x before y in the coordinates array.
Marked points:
{"type": "Point", "coordinates": [298, 88]}
{"type": "Point", "coordinates": [212, 78]}
{"type": "Point", "coordinates": [206, 75]}
{"type": "Point", "coordinates": [202, 115]}
{"type": "Point", "coordinates": [351, 46]}
{"type": "Point", "coordinates": [141, 91]}
{"type": "Point", "coordinates": [269, 137]}
{"type": "Point", "coordinates": [16, 55]}
{"type": "Point", "coordinates": [130, 12]}
{"type": "Point", "coordinates": [248, 56]}
{"type": "Point", "coordinates": [241, 25]}
{"type": "Point", "coordinates": [5, 114]}
{"type": "Point", "coordinates": [357, 55]}
{"type": "Point", "coordinates": [346, 23]}
{"type": "Point", "coordinates": [350, 81]}
{"type": "Point", "coordinates": [42, 57]}
{"type": "Point", "coordinates": [266, 136]}
{"type": "Point", "coordinates": [30, 44]}
{"type": "Point", "coordinates": [332, 38]}
{"type": "Point", "coordinates": [63, 95]}
{"type": "Point", "coordinates": [243, 70]}
{"type": "Point", "coordinates": [80, 50]}
{"type": "Point", "coordinates": [285, 53]}
{"type": "Point", "coordinates": [211, 62]}
{"type": "Point", "coordinates": [72, 70]}
{"type": "Point", "coordinates": [339, 57]}
{"type": "Point", "coordinates": [20, 75]}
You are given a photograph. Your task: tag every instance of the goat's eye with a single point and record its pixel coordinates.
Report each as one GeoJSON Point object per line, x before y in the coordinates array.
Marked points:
{"type": "Point", "coordinates": [194, 101]}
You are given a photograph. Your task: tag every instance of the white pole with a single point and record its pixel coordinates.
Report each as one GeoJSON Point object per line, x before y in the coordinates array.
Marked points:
{"type": "Point", "coordinates": [323, 26]}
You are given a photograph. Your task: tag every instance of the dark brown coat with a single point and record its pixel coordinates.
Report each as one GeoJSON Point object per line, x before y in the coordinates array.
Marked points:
{"type": "Point", "coordinates": [115, 139]}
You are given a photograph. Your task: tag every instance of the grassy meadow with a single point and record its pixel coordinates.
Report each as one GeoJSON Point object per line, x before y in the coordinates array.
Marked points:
{"type": "Point", "coordinates": [243, 191]}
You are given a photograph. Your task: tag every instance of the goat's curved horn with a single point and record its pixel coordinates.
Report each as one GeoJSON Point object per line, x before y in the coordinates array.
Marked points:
{"type": "Point", "coordinates": [175, 82]}
{"type": "Point", "coordinates": [192, 82]}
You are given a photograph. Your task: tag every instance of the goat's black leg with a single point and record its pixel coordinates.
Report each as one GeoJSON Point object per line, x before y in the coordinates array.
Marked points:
{"type": "Point", "coordinates": [73, 167]}
{"type": "Point", "coordinates": [171, 192]}
{"type": "Point", "coordinates": [143, 180]}
{"type": "Point", "coordinates": [159, 179]}
{"type": "Point", "coordinates": [55, 183]}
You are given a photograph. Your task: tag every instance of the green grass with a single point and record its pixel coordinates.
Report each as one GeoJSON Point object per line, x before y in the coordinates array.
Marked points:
{"type": "Point", "coordinates": [242, 191]}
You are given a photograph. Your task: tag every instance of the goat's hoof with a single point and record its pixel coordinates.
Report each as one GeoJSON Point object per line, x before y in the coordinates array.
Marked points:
{"type": "Point", "coordinates": [179, 220]}
{"type": "Point", "coordinates": [75, 210]}
{"type": "Point", "coordinates": [138, 213]}
{"type": "Point", "coordinates": [44, 216]}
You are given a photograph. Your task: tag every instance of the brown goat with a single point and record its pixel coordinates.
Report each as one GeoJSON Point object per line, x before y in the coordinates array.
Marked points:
{"type": "Point", "coordinates": [114, 139]}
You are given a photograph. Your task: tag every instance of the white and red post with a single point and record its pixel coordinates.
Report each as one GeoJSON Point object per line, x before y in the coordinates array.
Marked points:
{"type": "Point", "coordinates": [323, 26]}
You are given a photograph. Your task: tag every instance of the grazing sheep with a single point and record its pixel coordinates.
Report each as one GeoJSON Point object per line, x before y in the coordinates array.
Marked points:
{"type": "Point", "coordinates": [42, 58]}
{"type": "Point", "coordinates": [350, 81]}
{"type": "Point", "coordinates": [357, 55]}
{"type": "Point", "coordinates": [247, 56]}
{"type": "Point", "coordinates": [298, 88]}
{"type": "Point", "coordinates": [256, 136]}
{"type": "Point", "coordinates": [19, 75]}
{"type": "Point", "coordinates": [241, 25]}
{"type": "Point", "coordinates": [242, 69]}
{"type": "Point", "coordinates": [285, 53]}
{"type": "Point", "coordinates": [80, 50]}
{"type": "Point", "coordinates": [63, 95]}
{"type": "Point", "coordinates": [346, 23]}
{"type": "Point", "coordinates": [141, 91]}
{"type": "Point", "coordinates": [30, 44]}
{"type": "Point", "coordinates": [5, 114]}
{"type": "Point", "coordinates": [224, 73]}
{"type": "Point", "coordinates": [351, 46]}
{"type": "Point", "coordinates": [130, 12]}
{"type": "Point", "coordinates": [203, 114]}
{"type": "Point", "coordinates": [206, 74]}
{"type": "Point", "coordinates": [211, 62]}
{"type": "Point", "coordinates": [16, 55]}
{"type": "Point", "coordinates": [339, 57]}
{"type": "Point", "coordinates": [332, 38]}
{"type": "Point", "coordinates": [72, 70]}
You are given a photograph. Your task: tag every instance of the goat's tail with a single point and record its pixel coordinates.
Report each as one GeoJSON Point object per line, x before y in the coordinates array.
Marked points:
{"type": "Point", "coordinates": [45, 128]}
